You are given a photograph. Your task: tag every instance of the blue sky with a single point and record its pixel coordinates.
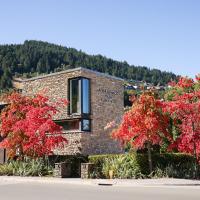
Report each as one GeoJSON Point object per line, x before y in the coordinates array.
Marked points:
{"type": "Point", "coordinates": [162, 34]}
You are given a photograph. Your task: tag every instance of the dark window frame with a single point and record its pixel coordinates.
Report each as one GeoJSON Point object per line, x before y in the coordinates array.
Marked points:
{"type": "Point", "coordinates": [81, 116]}
{"type": "Point", "coordinates": [62, 122]}
{"type": "Point", "coordinates": [80, 78]}
{"type": "Point", "coordinates": [2, 106]}
{"type": "Point", "coordinates": [80, 124]}
{"type": "Point", "coordinates": [89, 92]}
{"type": "Point", "coordinates": [70, 94]}
{"type": "Point", "coordinates": [89, 130]}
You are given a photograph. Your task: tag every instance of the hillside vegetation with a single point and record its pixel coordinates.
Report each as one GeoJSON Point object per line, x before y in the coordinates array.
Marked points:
{"type": "Point", "coordinates": [36, 57]}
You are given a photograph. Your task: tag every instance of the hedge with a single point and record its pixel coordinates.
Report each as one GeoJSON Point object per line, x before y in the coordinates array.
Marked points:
{"type": "Point", "coordinates": [135, 165]}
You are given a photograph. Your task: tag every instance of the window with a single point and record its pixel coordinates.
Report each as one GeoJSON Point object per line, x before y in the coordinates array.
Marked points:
{"type": "Point", "coordinates": [85, 125]}
{"type": "Point", "coordinates": [79, 96]}
{"type": "Point", "coordinates": [75, 124]}
{"type": "Point", "coordinates": [85, 96]}
{"type": "Point", "coordinates": [1, 138]}
{"type": "Point", "coordinates": [75, 103]}
{"type": "Point", "coordinates": [2, 106]}
{"type": "Point", "coordinates": [69, 124]}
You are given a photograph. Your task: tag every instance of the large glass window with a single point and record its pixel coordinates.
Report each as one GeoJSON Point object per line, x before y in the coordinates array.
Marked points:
{"type": "Point", "coordinates": [75, 103]}
{"type": "Point", "coordinates": [85, 96]}
{"type": "Point", "coordinates": [69, 124]}
{"type": "Point", "coordinates": [75, 124]}
{"type": "Point", "coordinates": [79, 96]}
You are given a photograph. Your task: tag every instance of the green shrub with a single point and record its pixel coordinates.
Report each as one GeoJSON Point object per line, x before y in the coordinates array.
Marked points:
{"type": "Point", "coordinates": [135, 165]}
{"type": "Point", "coordinates": [28, 167]}
{"type": "Point", "coordinates": [6, 169]}
{"type": "Point", "coordinates": [123, 166]}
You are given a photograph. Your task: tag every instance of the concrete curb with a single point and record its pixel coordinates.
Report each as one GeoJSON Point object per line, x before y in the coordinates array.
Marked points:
{"type": "Point", "coordinates": [163, 182]}
{"type": "Point", "coordinates": [49, 180]}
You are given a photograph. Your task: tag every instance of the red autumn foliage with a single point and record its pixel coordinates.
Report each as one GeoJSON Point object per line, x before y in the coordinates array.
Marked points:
{"type": "Point", "coordinates": [197, 78]}
{"type": "Point", "coordinates": [143, 123]}
{"type": "Point", "coordinates": [28, 128]}
{"type": "Point", "coordinates": [185, 111]}
{"type": "Point", "coordinates": [172, 83]}
{"type": "Point", "coordinates": [185, 82]}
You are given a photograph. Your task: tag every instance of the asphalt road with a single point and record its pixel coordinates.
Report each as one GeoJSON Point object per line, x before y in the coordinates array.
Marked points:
{"type": "Point", "coordinates": [45, 191]}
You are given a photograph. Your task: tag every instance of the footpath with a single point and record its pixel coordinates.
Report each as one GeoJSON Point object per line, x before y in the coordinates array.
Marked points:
{"type": "Point", "coordinates": [161, 182]}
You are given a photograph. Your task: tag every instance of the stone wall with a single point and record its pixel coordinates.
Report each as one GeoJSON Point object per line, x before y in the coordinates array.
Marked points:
{"type": "Point", "coordinates": [106, 105]}
{"type": "Point", "coordinates": [55, 86]}
{"type": "Point", "coordinates": [86, 170]}
{"type": "Point", "coordinates": [2, 156]}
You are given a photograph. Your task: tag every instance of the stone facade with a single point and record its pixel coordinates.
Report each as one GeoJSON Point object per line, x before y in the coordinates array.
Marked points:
{"type": "Point", "coordinates": [106, 104]}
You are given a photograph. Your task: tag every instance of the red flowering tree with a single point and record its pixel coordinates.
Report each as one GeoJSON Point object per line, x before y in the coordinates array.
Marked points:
{"type": "Point", "coordinates": [184, 108]}
{"type": "Point", "coordinates": [184, 85]}
{"type": "Point", "coordinates": [144, 124]}
{"type": "Point", "coordinates": [28, 128]}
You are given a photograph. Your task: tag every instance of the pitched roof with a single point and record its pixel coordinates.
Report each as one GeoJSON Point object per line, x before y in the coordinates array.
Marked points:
{"type": "Point", "coordinates": [68, 71]}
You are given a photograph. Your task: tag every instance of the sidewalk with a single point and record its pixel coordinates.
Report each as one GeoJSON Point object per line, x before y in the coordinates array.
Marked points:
{"type": "Point", "coordinates": [170, 182]}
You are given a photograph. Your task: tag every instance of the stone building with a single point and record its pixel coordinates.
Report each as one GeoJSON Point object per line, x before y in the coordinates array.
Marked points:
{"type": "Point", "coordinates": [95, 99]}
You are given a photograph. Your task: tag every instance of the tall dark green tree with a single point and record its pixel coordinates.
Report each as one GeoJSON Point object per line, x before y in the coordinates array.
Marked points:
{"type": "Point", "coordinates": [6, 79]}
{"type": "Point", "coordinates": [41, 57]}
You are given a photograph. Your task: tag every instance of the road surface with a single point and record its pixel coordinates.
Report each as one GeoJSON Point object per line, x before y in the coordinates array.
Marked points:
{"type": "Point", "coordinates": [51, 191]}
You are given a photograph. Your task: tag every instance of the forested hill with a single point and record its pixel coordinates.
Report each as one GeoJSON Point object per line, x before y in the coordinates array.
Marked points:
{"type": "Point", "coordinates": [36, 57]}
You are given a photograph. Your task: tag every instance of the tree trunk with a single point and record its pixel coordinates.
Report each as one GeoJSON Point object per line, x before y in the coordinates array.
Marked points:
{"type": "Point", "coordinates": [196, 163]}
{"type": "Point", "coordinates": [149, 157]}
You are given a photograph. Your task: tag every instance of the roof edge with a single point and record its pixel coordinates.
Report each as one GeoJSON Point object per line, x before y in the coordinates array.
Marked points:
{"type": "Point", "coordinates": [72, 70]}
{"type": "Point", "coordinates": [102, 74]}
